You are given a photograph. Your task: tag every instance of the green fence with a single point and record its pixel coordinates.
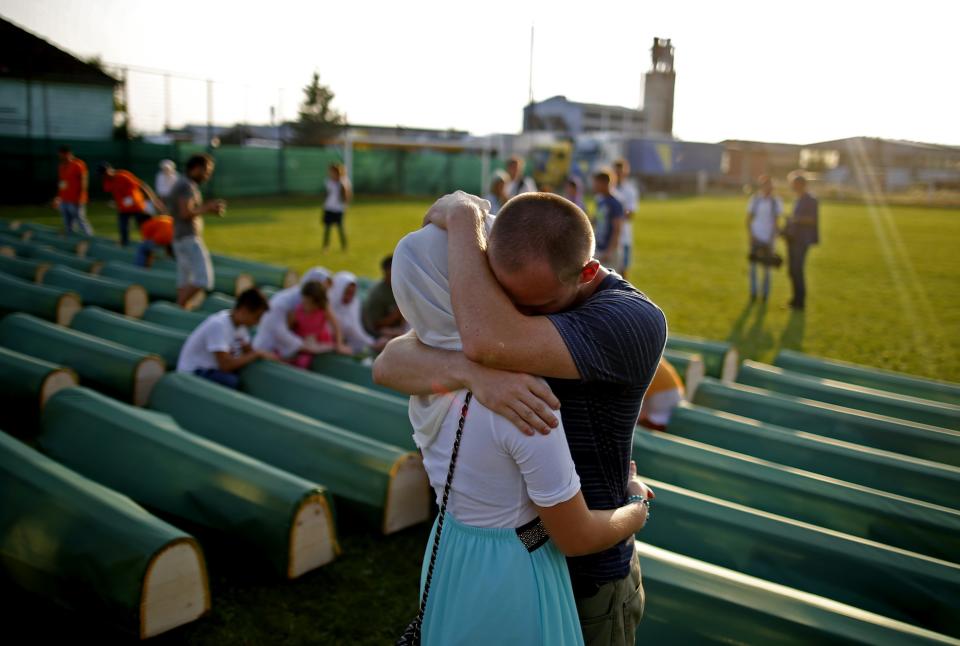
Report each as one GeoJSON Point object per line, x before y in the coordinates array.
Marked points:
{"type": "Point", "coordinates": [28, 168]}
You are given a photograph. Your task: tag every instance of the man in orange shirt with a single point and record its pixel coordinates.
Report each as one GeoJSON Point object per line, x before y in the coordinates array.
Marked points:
{"type": "Point", "coordinates": [157, 233]}
{"type": "Point", "coordinates": [71, 197]}
{"type": "Point", "coordinates": [128, 192]}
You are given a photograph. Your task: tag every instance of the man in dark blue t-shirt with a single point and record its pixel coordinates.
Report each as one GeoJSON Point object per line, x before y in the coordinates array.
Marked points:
{"type": "Point", "coordinates": [539, 303]}
{"type": "Point", "coordinates": [608, 220]}
{"type": "Point", "coordinates": [801, 231]}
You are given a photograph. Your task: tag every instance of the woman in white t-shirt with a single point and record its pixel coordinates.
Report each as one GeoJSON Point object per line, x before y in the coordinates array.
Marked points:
{"type": "Point", "coordinates": [339, 194]}
{"type": "Point", "coordinates": [763, 213]}
{"type": "Point", "coordinates": [515, 506]}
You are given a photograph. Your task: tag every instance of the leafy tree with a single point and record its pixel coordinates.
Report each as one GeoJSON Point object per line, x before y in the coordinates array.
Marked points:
{"type": "Point", "coordinates": [237, 135]}
{"type": "Point", "coordinates": [318, 122]}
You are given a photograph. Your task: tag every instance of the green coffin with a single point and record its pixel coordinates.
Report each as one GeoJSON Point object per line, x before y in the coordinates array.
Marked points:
{"type": "Point", "coordinates": [357, 469]}
{"type": "Point", "coordinates": [149, 337]}
{"type": "Point", "coordinates": [84, 546]}
{"type": "Point", "coordinates": [690, 368]}
{"type": "Point", "coordinates": [54, 257]}
{"type": "Point", "coordinates": [147, 456]}
{"type": "Point", "coordinates": [720, 359]}
{"type": "Point", "coordinates": [858, 397]}
{"type": "Point", "coordinates": [858, 511]}
{"type": "Point", "coordinates": [350, 370]}
{"type": "Point", "coordinates": [172, 315]}
{"type": "Point", "coordinates": [354, 408]}
{"type": "Point", "coordinates": [159, 283]}
{"type": "Point", "coordinates": [29, 270]}
{"type": "Point", "coordinates": [109, 367]}
{"type": "Point", "coordinates": [21, 247]}
{"type": "Point", "coordinates": [261, 273]}
{"type": "Point", "coordinates": [71, 245]}
{"type": "Point", "coordinates": [845, 424]}
{"type": "Point", "coordinates": [26, 383]}
{"type": "Point", "coordinates": [852, 373]}
{"type": "Point", "coordinates": [119, 296]}
{"type": "Point", "coordinates": [112, 252]}
{"type": "Point", "coordinates": [50, 303]}
{"type": "Point", "coordinates": [215, 302]}
{"type": "Point", "coordinates": [921, 479]}
{"type": "Point", "coordinates": [900, 585]}
{"type": "Point", "coordinates": [694, 602]}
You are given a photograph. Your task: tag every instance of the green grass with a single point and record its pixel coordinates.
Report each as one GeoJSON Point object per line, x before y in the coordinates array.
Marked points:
{"type": "Point", "coordinates": [884, 291]}
{"type": "Point", "coordinates": [884, 286]}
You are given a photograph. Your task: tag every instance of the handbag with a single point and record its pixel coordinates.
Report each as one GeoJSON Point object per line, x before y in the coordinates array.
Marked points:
{"type": "Point", "coordinates": [411, 636]}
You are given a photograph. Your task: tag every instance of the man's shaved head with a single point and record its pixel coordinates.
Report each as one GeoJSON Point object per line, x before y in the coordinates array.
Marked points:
{"type": "Point", "coordinates": [541, 227]}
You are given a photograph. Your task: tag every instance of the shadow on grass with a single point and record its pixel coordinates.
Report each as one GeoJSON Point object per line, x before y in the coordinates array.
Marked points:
{"type": "Point", "coordinates": [792, 336]}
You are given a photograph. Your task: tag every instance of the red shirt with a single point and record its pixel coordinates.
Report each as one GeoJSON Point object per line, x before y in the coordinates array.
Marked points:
{"type": "Point", "coordinates": [159, 228]}
{"type": "Point", "coordinates": [70, 187]}
{"type": "Point", "coordinates": [125, 188]}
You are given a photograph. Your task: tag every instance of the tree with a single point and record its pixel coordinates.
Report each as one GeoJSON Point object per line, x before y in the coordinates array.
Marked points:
{"type": "Point", "coordinates": [236, 135]}
{"type": "Point", "coordinates": [318, 122]}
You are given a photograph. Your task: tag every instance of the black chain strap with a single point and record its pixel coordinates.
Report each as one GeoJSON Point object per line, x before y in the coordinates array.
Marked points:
{"type": "Point", "coordinates": [411, 636]}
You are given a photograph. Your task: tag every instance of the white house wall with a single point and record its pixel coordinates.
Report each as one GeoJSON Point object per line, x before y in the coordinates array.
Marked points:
{"type": "Point", "coordinates": [56, 110]}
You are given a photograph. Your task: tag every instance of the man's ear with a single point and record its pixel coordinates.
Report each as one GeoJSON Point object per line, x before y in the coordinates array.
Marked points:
{"type": "Point", "coordinates": [589, 271]}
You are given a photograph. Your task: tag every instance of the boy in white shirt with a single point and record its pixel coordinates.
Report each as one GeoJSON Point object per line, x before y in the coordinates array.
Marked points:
{"type": "Point", "coordinates": [220, 346]}
{"type": "Point", "coordinates": [763, 213]}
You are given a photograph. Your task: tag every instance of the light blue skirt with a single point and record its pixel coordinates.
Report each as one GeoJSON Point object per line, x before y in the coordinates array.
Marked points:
{"type": "Point", "coordinates": [488, 589]}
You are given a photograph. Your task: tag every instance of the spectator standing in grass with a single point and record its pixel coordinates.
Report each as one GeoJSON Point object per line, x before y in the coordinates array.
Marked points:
{"type": "Point", "coordinates": [220, 346]}
{"type": "Point", "coordinates": [166, 177]}
{"type": "Point", "coordinates": [381, 316]}
{"type": "Point", "coordinates": [573, 191]}
{"type": "Point", "coordinates": [763, 215]}
{"type": "Point", "coordinates": [130, 194]}
{"type": "Point", "coordinates": [625, 191]}
{"type": "Point", "coordinates": [498, 191]}
{"type": "Point", "coordinates": [194, 269]}
{"type": "Point", "coordinates": [313, 321]}
{"type": "Point", "coordinates": [72, 184]}
{"type": "Point", "coordinates": [607, 220]}
{"type": "Point", "coordinates": [801, 232]}
{"type": "Point", "coordinates": [518, 182]}
{"type": "Point", "coordinates": [339, 194]}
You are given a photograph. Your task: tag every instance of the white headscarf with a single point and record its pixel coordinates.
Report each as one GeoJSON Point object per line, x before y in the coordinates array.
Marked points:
{"type": "Point", "coordinates": [273, 333]}
{"type": "Point", "coordinates": [422, 290]}
{"type": "Point", "coordinates": [348, 315]}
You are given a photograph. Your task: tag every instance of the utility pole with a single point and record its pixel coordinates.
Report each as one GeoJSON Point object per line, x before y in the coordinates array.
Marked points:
{"type": "Point", "coordinates": [530, 92]}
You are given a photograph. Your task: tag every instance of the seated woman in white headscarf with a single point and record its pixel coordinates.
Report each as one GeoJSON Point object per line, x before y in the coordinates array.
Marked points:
{"type": "Point", "coordinates": [345, 302]}
{"type": "Point", "coordinates": [515, 507]}
{"type": "Point", "coordinates": [273, 332]}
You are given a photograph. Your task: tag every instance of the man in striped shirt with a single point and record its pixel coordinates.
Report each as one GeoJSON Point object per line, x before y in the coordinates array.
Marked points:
{"type": "Point", "coordinates": [537, 302]}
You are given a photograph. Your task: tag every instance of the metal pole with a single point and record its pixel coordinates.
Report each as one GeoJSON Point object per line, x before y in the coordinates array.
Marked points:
{"type": "Point", "coordinates": [485, 166]}
{"type": "Point", "coordinates": [530, 92]}
{"type": "Point", "coordinates": [348, 153]}
{"type": "Point", "coordinates": [209, 112]}
{"type": "Point", "coordinates": [166, 102]}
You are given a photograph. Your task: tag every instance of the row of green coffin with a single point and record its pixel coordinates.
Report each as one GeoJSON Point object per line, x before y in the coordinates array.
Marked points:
{"type": "Point", "coordinates": [805, 496]}
{"type": "Point", "coordinates": [117, 370]}
{"type": "Point", "coordinates": [932, 482]}
{"type": "Point", "coordinates": [879, 402]}
{"type": "Point", "coordinates": [720, 359]}
{"type": "Point", "coordinates": [26, 383]}
{"type": "Point", "coordinates": [894, 583]}
{"type": "Point", "coordinates": [836, 422]}
{"type": "Point", "coordinates": [69, 539]}
{"type": "Point", "coordinates": [262, 273]}
{"type": "Point", "coordinates": [869, 377]}
{"type": "Point", "coordinates": [49, 303]}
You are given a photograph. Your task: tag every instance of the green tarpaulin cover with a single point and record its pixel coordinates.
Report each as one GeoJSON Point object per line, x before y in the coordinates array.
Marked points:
{"type": "Point", "coordinates": [142, 335]}
{"type": "Point", "coordinates": [115, 295]}
{"type": "Point", "coordinates": [172, 315]}
{"type": "Point", "coordinates": [29, 270]}
{"type": "Point", "coordinates": [262, 273]}
{"type": "Point", "coordinates": [216, 301]}
{"type": "Point", "coordinates": [159, 283]}
{"type": "Point", "coordinates": [25, 382]}
{"type": "Point", "coordinates": [351, 370]}
{"type": "Point", "coordinates": [52, 256]}
{"type": "Point", "coordinates": [719, 358]}
{"type": "Point", "coordinates": [46, 302]}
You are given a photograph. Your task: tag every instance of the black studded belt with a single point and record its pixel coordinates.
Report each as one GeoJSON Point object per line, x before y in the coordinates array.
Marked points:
{"type": "Point", "coordinates": [533, 535]}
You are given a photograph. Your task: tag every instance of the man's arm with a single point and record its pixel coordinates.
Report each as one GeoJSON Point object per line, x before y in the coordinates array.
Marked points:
{"type": "Point", "coordinates": [409, 366]}
{"type": "Point", "coordinates": [493, 332]}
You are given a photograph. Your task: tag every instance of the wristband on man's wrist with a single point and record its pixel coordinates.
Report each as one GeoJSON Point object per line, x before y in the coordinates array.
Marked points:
{"type": "Point", "coordinates": [640, 499]}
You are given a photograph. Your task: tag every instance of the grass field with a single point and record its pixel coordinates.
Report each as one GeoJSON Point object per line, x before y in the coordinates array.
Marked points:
{"type": "Point", "coordinates": [884, 286]}
{"type": "Point", "coordinates": [884, 290]}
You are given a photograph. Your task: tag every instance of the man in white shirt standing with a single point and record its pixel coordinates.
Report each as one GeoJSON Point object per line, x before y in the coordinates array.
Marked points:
{"type": "Point", "coordinates": [220, 346]}
{"type": "Point", "coordinates": [519, 183]}
{"type": "Point", "coordinates": [625, 191]}
{"type": "Point", "coordinates": [763, 213]}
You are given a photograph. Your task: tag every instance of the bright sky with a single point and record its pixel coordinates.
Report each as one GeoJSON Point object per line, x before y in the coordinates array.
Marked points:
{"type": "Point", "coordinates": [792, 72]}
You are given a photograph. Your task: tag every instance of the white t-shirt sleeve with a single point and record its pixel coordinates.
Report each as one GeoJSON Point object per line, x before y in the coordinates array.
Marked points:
{"type": "Point", "coordinates": [751, 205]}
{"type": "Point", "coordinates": [544, 462]}
{"type": "Point", "coordinates": [219, 336]}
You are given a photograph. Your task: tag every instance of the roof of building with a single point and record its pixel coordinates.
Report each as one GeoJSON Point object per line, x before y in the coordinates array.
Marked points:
{"type": "Point", "coordinates": [562, 99]}
{"type": "Point", "coordinates": [24, 55]}
{"type": "Point", "coordinates": [903, 143]}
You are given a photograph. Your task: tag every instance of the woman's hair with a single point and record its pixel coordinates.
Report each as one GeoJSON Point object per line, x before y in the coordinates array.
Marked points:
{"type": "Point", "coordinates": [315, 291]}
{"type": "Point", "coordinates": [340, 169]}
